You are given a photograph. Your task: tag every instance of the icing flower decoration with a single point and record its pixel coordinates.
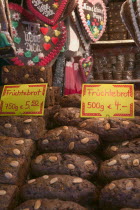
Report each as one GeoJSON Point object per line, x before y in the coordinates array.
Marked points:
{"type": "Point", "coordinates": [96, 32]}
{"type": "Point", "coordinates": [20, 51]}
{"type": "Point", "coordinates": [14, 32]}
{"type": "Point", "coordinates": [41, 55]}
{"type": "Point", "coordinates": [30, 63]}
{"type": "Point", "coordinates": [97, 24]}
{"type": "Point", "coordinates": [55, 5]}
{"type": "Point", "coordinates": [57, 33]}
{"type": "Point", "coordinates": [100, 27]}
{"type": "Point", "coordinates": [16, 16]}
{"type": "Point", "coordinates": [47, 38]}
{"type": "Point", "coordinates": [102, 23]}
{"type": "Point", "coordinates": [88, 22]}
{"type": "Point", "coordinates": [88, 16]}
{"type": "Point", "coordinates": [84, 65]}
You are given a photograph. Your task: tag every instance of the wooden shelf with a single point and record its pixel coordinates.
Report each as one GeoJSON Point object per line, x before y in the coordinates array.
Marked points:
{"type": "Point", "coordinates": [135, 81]}
{"type": "Point", "coordinates": [114, 47]}
{"type": "Point", "coordinates": [114, 42]}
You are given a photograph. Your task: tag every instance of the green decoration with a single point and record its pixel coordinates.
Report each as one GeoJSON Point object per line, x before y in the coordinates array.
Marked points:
{"type": "Point", "coordinates": [17, 40]}
{"type": "Point", "coordinates": [3, 41]}
{"type": "Point", "coordinates": [35, 59]}
{"type": "Point", "coordinates": [28, 54]}
{"type": "Point", "coordinates": [15, 24]}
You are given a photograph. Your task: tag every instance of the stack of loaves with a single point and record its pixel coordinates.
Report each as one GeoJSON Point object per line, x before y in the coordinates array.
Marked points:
{"type": "Point", "coordinates": [79, 164]}
{"type": "Point", "coordinates": [64, 167]}
{"type": "Point", "coordinates": [119, 173]}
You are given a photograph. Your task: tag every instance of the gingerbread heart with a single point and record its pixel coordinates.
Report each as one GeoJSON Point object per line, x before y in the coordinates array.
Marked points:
{"type": "Point", "coordinates": [130, 14]}
{"type": "Point", "coordinates": [85, 65]}
{"type": "Point", "coordinates": [36, 44]}
{"type": "Point", "coordinates": [50, 11]}
{"type": "Point", "coordinates": [93, 17]}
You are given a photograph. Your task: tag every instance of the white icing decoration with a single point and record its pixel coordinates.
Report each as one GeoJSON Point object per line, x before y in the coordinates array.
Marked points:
{"type": "Point", "coordinates": [20, 51]}
{"type": "Point", "coordinates": [41, 55]}
{"type": "Point", "coordinates": [14, 32]}
{"type": "Point", "coordinates": [86, 44]}
{"type": "Point", "coordinates": [44, 9]}
{"type": "Point", "coordinates": [94, 9]}
{"type": "Point", "coordinates": [31, 36]}
{"type": "Point", "coordinates": [30, 63]}
{"type": "Point", "coordinates": [16, 16]}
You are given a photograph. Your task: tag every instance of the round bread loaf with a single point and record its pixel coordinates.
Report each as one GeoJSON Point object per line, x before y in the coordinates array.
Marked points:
{"type": "Point", "coordinates": [69, 164]}
{"type": "Point", "coordinates": [121, 193]}
{"type": "Point", "coordinates": [68, 139]}
{"type": "Point", "coordinates": [132, 146]}
{"type": "Point", "coordinates": [46, 204]}
{"type": "Point", "coordinates": [112, 129]}
{"type": "Point", "coordinates": [63, 187]}
{"type": "Point", "coordinates": [120, 166]}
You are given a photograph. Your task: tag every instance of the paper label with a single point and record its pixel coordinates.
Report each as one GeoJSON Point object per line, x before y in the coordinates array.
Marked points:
{"type": "Point", "coordinates": [107, 100]}
{"type": "Point", "coordinates": [26, 99]}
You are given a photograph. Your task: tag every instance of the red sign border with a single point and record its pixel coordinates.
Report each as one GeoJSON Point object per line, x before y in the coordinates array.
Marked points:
{"type": "Point", "coordinates": [83, 106]}
{"type": "Point", "coordinates": [24, 113]}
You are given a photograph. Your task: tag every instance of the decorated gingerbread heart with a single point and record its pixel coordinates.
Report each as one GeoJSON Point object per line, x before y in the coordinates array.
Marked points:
{"type": "Point", "coordinates": [93, 16]}
{"type": "Point", "coordinates": [49, 11]}
{"type": "Point", "coordinates": [85, 65]}
{"type": "Point", "coordinates": [36, 44]}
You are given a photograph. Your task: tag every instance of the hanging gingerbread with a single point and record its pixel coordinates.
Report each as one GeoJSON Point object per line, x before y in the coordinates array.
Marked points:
{"type": "Point", "coordinates": [92, 14]}
{"type": "Point", "coordinates": [36, 43]}
{"type": "Point", "coordinates": [51, 11]}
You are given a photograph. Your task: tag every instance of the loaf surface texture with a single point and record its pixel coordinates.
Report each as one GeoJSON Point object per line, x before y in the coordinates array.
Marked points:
{"type": "Point", "coordinates": [69, 139]}
{"type": "Point", "coordinates": [121, 193]}
{"type": "Point", "coordinates": [63, 187]}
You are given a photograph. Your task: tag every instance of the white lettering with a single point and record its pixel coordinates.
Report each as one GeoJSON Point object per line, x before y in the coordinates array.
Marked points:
{"type": "Point", "coordinates": [43, 8]}
{"type": "Point", "coordinates": [32, 47]}
{"type": "Point", "coordinates": [98, 13]}
{"type": "Point", "coordinates": [32, 38]}
{"type": "Point", "coordinates": [36, 2]}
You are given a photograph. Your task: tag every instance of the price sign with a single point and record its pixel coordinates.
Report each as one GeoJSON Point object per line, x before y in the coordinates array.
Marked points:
{"type": "Point", "coordinates": [107, 100]}
{"type": "Point", "coordinates": [27, 99]}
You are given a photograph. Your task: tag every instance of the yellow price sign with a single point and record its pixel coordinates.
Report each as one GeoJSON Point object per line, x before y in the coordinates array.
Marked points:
{"type": "Point", "coordinates": [107, 100]}
{"type": "Point", "coordinates": [26, 99]}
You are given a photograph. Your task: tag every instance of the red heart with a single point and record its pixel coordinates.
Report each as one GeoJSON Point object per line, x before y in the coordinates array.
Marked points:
{"type": "Point", "coordinates": [55, 27]}
{"type": "Point", "coordinates": [44, 30]}
{"type": "Point", "coordinates": [46, 46]}
{"type": "Point", "coordinates": [54, 40]}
